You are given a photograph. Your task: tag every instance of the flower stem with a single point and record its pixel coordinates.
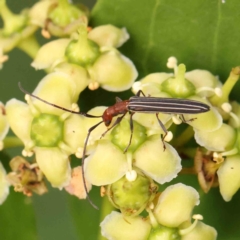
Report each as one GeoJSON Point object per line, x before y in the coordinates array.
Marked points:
{"type": "Point", "coordinates": [227, 87]}
{"type": "Point", "coordinates": [10, 142]}
{"type": "Point", "coordinates": [186, 135]}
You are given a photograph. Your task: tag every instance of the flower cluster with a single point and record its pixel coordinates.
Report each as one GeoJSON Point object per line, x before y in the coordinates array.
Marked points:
{"type": "Point", "coordinates": [131, 156]}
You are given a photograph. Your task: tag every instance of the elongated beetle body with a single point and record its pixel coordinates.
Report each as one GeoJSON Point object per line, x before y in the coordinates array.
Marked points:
{"type": "Point", "coordinates": [136, 104]}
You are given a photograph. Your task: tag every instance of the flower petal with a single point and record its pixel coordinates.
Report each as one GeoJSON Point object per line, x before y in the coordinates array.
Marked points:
{"type": "Point", "coordinates": [157, 163]}
{"type": "Point", "coordinates": [57, 88]}
{"type": "Point", "coordinates": [229, 177]}
{"type": "Point", "coordinates": [39, 12]}
{"type": "Point", "coordinates": [77, 73]}
{"type": "Point", "coordinates": [119, 227]}
{"type": "Point", "coordinates": [221, 139]}
{"type": "Point", "coordinates": [106, 164]}
{"type": "Point", "coordinates": [4, 185]}
{"type": "Point", "coordinates": [201, 231]}
{"type": "Point", "coordinates": [76, 186]}
{"type": "Point", "coordinates": [50, 54]}
{"type": "Point", "coordinates": [75, 131]}
{"type": "Point", "coordinates": [55, 165]}
{"type": "Point", "coordinates": [19, 118]}
{"type": "Point", "coordinates": [171, 212]}
{"type": "Point", "coordinates": [113, 71]}
{"type": "Point", "coordinates": [202, 78]}
{"type": "Point", "coordinates": [108, 36]}
{"type": "Point", "coordinates": [4, 126]}
{"type": "Point", "coordinates": [208, 121]}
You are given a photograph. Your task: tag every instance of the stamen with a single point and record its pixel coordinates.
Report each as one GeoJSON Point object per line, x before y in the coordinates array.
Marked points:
{"type": "Point", "coordinates": [235, 118]}
{"type": "Point", "coordinates": [129, 161]}
{"type": "Point", "coordinates": [33, 165]}
{"type": "Point", "coordinates": [46, 34]}
{"type": "Point", "coordinates": [65, 148]}
{"type": "Point", "coordinates": [152, 218]}
{"type": "Point", "coordinates": [27, 153]}
{"type": "Point", "coordinates": [93, 86]}
{"type": "Point", "coordinates": [136, 87]}
{"type": "Point", "coordinates": [151, 206]}
{"type": "Point", "coordinates": [218, 158]}
{"type": "Point", "coordinates": [131, 175]}
{"type": "Point", "coordinates": [176, 119]}
{"type": "Point", "coordinates": [226, 107]}
{"type": "Point", "coordinates": [230, 152]}
{"type": "Point", "coordinates": [79, 152]}
{"type": "Point", "coordinates": [172, 63]}
{"type": "Point", "coordinates": [65, 115]}
{"type": "Point", "coordinates": [216, 91]}
{"type": "Point", "coordinates": [168, 137]}
{"type": "Point", "coordinates": [185, 231]}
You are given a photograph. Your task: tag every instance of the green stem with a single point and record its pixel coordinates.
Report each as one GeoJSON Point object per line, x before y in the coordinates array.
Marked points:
{"type": "Point", "coordinates": [106, 208]}
{"type": "Point", "coordinates": [185, 136]}
{"type": "Point", "coordinates": [4, 11]}
{"type": "Point", "coordinates": [10, 142]}
{"type": "Point", "coordinates": [30, 46]}
{"type": "Point", "coordinates": [188, 152]}
{"type": "Point", "coordinates": [227, 87]}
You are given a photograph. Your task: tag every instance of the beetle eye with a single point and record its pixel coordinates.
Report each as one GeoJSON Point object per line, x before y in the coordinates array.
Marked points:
{"type": "Point", "coordinates": [107, 122]}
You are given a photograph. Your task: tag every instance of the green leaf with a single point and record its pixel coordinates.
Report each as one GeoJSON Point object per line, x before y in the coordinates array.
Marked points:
{"type": "Point", "coordinates": [202, 34]}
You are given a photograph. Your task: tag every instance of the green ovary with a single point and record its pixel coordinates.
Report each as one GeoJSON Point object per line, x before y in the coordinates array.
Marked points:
{"type": "Point", "coordinates": [47, 130]}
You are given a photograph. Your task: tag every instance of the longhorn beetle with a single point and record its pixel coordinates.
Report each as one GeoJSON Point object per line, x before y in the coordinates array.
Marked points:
{"type": "Point", "coordinates": [135, 104]}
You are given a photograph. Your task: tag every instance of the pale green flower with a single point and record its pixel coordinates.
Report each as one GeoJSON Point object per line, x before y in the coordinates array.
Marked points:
{"type": "Point", "coordinates": [51, 133]}
{"type": "Point", "coordinates": [103, 65]}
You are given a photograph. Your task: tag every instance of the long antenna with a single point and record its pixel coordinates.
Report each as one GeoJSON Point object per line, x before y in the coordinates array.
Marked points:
{"type": "Point", "coordinates": [86, 141]}
{"type": "Point", "coordinates": [54, 105]}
